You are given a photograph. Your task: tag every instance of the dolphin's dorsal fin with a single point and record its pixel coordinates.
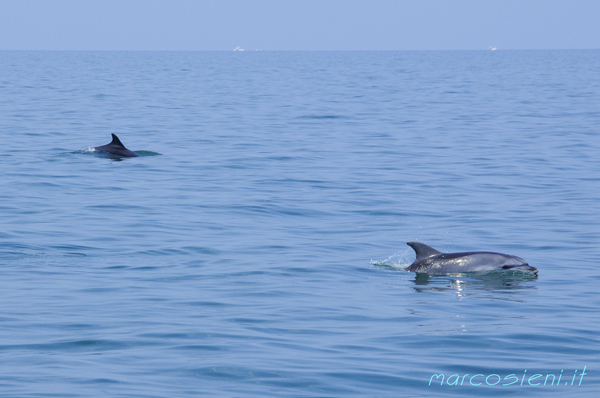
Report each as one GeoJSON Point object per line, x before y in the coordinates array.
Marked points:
{"type": "Point", "coordinates": [422, 250]}
{"type": "Point", "coordinates": [116, 141]}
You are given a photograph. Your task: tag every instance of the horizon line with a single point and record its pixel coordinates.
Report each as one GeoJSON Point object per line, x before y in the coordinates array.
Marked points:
{"type": "Point", "coordinates": [328, 50]}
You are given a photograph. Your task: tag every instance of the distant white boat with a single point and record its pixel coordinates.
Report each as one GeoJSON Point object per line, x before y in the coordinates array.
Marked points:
{"type": "Point", "coordinates": [238, 48]}
{"type": "Point", "coordinates": [493, 48]}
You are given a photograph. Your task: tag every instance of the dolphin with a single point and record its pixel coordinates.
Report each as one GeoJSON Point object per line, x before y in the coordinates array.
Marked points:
{"type": "Point", "coordinates": [431, 261]}
{"type": "Point", "coordinates": [116, 148]}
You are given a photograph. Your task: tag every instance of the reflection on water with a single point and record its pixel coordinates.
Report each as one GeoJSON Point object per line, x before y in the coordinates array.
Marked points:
{"type": "Point", "coordinates": [491, 281]}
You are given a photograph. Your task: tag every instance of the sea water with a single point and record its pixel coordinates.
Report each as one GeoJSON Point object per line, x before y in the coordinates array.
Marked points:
{"type": "Point", "coordinates": [259, 252]}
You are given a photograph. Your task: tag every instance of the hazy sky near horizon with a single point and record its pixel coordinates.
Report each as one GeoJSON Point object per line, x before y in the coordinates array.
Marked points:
{"type": "Point", "coordinates": [298, 25]}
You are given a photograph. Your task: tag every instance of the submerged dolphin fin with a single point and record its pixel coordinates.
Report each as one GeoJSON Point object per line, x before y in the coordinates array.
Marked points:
{"type": "Point", "coordinates": [422, 250]}
{"type": "Point", "coordinates": [116, 141]}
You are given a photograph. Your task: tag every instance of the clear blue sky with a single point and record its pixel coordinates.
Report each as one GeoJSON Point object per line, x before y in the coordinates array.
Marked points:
{"type": "Point", "coordinates": [298, 24]}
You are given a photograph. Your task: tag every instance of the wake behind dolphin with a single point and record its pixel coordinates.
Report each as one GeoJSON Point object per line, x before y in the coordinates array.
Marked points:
{"type": "Point", "coordinates": [432, 261]}
{"type": "Point", "coordinates": [116, 148]}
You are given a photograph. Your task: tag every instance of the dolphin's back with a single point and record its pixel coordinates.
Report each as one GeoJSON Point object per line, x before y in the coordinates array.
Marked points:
{"type": "Point", "coordinates": [433, 261]}
{"type": "Point", "coordinates": [116, 148]}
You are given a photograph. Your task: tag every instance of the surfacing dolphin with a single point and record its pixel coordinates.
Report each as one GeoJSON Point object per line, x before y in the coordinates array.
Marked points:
{"type": "Point", "coordinates": [116, 148]}
{"type": "Point", "coordinates": [432, 261]}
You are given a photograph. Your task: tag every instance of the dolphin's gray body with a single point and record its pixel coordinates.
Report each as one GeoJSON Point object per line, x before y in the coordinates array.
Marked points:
{"type": "Point", "coordinates": [116, 148]}
{"type": "Point", "coordinates": [431, 261]}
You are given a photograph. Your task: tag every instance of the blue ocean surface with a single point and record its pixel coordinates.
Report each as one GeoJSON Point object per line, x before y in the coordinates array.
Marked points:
{"type": "Point", "coordinates": [257, 247]}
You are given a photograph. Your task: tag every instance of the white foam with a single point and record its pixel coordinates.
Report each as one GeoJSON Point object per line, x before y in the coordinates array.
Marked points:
{"type": "Point", "coordinates": [396, 261]}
